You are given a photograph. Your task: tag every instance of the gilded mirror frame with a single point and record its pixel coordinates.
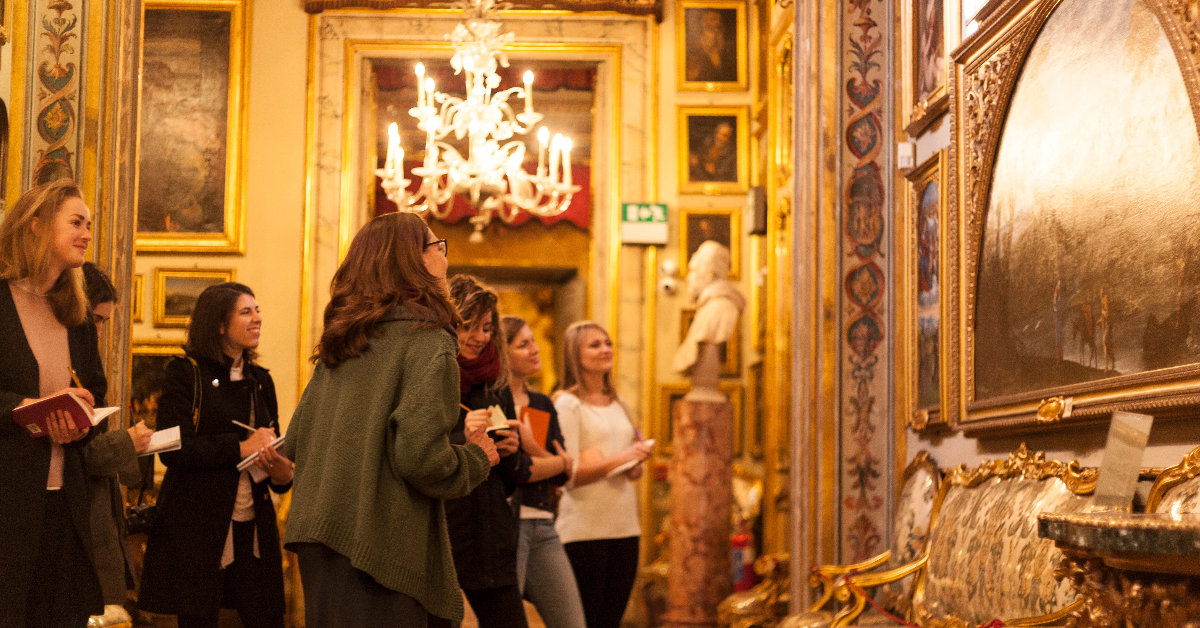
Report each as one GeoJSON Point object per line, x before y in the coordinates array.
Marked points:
{"type": "Point", "coordinates": [986, 69]}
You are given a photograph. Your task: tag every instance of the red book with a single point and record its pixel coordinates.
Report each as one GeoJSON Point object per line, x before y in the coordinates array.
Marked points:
{"type": "Point", "coordinates": [539, 422]}
{"type": "Point", "coordinates": [34, 415]}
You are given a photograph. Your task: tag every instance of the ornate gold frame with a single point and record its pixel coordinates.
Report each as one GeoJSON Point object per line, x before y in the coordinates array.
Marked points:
{"type": "Point", "coordinates": [136, 299]}
{"type": "Point", "coordinates": [1021, 463]}
{"type": "Point", "coordinates": [1172, 476]}
{"type": "Point", "coordinates": [984, 76]}
{"type": "Point", "coordinates": [662, 425]}
{"type": "Point", "coordinates": [743, 51]}
{"type": "Point", "coordinates": [735, 236]}
{"type": "Point", "coordinates": [942, 416]}
{"type": "Point", "coordinates": [919, 114]}
{"type": "Point", "coordinates": [686, 185]}
{"type": "Point", "coordinates": [232, 240]}
{"type": "Point", "coordinates": [161, 318]}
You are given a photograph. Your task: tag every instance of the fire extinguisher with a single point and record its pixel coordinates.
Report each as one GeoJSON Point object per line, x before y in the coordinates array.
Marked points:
{"type": "Point", "coordinates": [742, 545]}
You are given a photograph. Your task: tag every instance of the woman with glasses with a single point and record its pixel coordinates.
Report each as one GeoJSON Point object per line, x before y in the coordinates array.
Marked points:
{"type": "Point", "coordinates": [371, 439]}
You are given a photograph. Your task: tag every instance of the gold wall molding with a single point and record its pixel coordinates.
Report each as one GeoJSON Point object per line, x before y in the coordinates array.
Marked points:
{"type": "Point", "coordinates": [627, 7]}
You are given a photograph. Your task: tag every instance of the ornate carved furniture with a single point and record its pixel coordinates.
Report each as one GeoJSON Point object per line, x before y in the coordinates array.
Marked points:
{"type": "Point", "coordinates": [765, 604]}
{"type": "Point", "coordinates": [984, 560]}
{"type": "Point", "coordinates": [1136, 571]}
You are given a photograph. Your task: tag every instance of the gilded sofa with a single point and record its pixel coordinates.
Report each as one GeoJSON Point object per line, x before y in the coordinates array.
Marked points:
{"type": "Point", "coordinates": [985, 560]}
{"type": "Point", "coordinates": [911, 521]}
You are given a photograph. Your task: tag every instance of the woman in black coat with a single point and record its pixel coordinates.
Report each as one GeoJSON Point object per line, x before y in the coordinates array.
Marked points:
{"type": "Point", "coordinates": [482, 525]}
{"type": "Point", "coordinates": [46, 574]}
{"type": "Point", "coordinates": [215, 543]}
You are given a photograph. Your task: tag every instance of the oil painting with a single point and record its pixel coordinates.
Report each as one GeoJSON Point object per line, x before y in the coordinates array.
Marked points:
{"type": "Point", "coordinates": [177, 289]}
{"type": "Point", "coordinates": [711, 49]}
{"type": "Point", "coordinates": [928, 302]}
{"type": "Point", "coordinates": [1089, 261]}
{"type": "Point", "coordinates": [716, 142]}
{"type": "Point", "coordinates": [191, 108]}
{"type": "Point", "coordinates": [149, 360]}
{"type": "Point", "coordinates": [722, 226]}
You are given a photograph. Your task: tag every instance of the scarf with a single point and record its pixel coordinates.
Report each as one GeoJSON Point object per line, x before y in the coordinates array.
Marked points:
{"type": "Point", "coordinates": [481, 370]}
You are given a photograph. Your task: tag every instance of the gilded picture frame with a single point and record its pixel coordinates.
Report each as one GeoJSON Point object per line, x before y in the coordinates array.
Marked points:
{"type": "Point", "coordinates": [136, 299]}
{"type": "Point", "coordinates": [714, 150]}
{"type": "Point", "coordinates": [731, 353]}
{"type": "Point", "coordinates": [923, 354]}
{"type": "Point", "coordinates": [176, 291]}
{"type": "Point", "coordinates": [668, 394]}
{"type": "Point", "coordinates": [148, 360]}
{"type": "Point", "coordinates": [989, 70]}
{"type": "Point", "coordinates": [756, 411]}
{"type": "Point", "coordinates": [929, 31]}
{"type": "Point", "coordinates": [191, 150]}
{"type": "Point", "coordinates": [720, 224]}
{"type": "Point", "coordinates": [708, 35]}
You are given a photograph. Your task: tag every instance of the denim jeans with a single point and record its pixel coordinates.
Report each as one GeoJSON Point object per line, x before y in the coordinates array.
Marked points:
{"type": "Point", "coordinates": [545, 576]}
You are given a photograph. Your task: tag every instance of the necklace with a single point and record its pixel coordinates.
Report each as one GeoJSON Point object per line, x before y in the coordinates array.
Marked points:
{"type": "Point", "coordinates": [22, 285]}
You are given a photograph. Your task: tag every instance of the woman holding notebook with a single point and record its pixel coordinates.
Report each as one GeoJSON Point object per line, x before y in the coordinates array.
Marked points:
{"type": "Point", "coordinates": [483, 530]}
{"type": "Point", "coordinates": [598, 518]}
{"type": "Point", "coordinates": [543, 571]}
{"type": "Point", "coordinates": [215, 543]}
{"type": "Point", "coordinates": [46, 576]}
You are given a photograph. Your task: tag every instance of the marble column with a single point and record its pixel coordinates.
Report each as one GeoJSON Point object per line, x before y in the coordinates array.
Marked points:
{"type": "Point", "coordinates": [700, 573]}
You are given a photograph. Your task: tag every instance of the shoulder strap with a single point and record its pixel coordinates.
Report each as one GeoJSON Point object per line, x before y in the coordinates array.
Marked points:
{"type": "Point", "coordinates": [197, 388]}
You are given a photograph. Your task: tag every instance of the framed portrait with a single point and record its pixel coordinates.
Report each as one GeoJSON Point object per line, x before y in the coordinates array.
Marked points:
{"type": "Point", "coordinates": [176, 291]}
{"type": "Point", "coordinates": [925, 321]}
{"type": "Point", "coordinates": [756, 415]}
{"type": "Point", "coordinates": [722, 225]}
{"type": "Point", "coordinates": [716, 143]}
{"type": "Point", "coordinates": [668, 394]}
{"type": "Point", "coordinates": [1081, 270]}
{"type": "Point", "coordinates": [191, 150]}
{"type": "Point", "coordinates": [928, 61]}
{"type": "Point", "coordinates": [710, 45]}
{"type": "Point", "coordinates": [136, 298]}
{"type": "Point", "coordinates": [148, 361]}
{"type": "Point", "coordinates": [731, 352]}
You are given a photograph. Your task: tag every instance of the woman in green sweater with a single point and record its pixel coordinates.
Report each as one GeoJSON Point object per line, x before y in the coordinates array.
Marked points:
{"type": "Point", "coordinates": [370, 439]}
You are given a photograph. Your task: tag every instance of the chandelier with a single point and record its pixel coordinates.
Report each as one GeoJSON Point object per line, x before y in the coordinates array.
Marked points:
{"type": "Point", "coordinates": [491, 175]}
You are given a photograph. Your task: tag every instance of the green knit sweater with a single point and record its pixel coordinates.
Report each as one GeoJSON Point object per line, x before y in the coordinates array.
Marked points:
{"type": "Point", "coordinates": [374, 462]}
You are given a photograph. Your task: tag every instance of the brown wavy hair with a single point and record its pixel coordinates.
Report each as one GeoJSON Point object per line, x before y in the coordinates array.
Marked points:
{"type": "Point", "coordinates": [477, 301]}
{"type": "Point", "coordinates": [383, 268]}
{"type": "Point", "coordinates": [572, 380]}
{"type": "Point", "coordinates": [25, 253]}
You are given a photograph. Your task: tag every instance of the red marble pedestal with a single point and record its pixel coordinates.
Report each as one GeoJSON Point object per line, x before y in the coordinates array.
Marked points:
{"type": "Point", "coordinates": [700, 571]}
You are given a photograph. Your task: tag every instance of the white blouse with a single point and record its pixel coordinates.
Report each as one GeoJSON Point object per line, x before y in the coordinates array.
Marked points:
{"type": "Point", "coordinates": [607, 508]}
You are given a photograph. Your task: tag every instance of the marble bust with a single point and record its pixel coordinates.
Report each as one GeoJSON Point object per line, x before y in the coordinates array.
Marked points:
{"type": "Point", "coordinates": [718, 306]}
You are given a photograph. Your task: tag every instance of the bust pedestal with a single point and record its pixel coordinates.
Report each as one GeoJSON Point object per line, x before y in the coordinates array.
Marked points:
{"type": "Point", "coordinates": [700, 573]}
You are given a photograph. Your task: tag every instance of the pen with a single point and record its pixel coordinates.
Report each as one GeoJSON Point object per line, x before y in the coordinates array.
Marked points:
{"type": "Point", "coordinates": [464, 407]}
{"type": "Point", "coordinates": [240, 424]}
{"type": "Point", "coordinates": [74, 377]}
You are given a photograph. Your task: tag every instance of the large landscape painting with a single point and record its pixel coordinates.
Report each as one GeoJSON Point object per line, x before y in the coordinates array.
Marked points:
{"type": "Point", "coordinates": [1090, 257]}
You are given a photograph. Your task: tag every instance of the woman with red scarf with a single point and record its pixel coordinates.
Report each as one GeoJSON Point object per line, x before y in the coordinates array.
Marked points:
{"type": "Point", "coordinates": [483, 528]}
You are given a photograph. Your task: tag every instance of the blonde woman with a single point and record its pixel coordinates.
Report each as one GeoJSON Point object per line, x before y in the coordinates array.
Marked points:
{"type": "Point", "coordinates": [597, 518]}
{"type": "Point", "coordinates": [46, 575]}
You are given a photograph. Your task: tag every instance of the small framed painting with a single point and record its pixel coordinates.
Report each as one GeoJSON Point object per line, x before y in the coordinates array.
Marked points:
{"type": "Point", "coordinates": [716, 141]}
{"type": "Point", "coordinates": [668, 394]}
{"type": "Point", "coordinates": [176, 291]}
{"type": "Point", "coordinates": [136, 298]}
{"type": "Point", "coordinates": [711, 46]}
{"type": "Point", "coordinates": [721, 225]}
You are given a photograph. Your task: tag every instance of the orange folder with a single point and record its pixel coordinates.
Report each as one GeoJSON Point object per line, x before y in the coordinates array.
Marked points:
{"type": "Point", "coordinates": [539, 422]}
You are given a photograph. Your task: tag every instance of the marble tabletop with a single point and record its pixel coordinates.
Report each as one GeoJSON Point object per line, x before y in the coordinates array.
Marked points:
{"type": "Point", "coordinates": [1145, 542]}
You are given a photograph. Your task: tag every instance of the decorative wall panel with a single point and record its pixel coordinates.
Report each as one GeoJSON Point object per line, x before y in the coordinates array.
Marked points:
{"type": "Point", "coordinates": [55, 54]}
{"type": "Point", "coordinates": [864, 431]}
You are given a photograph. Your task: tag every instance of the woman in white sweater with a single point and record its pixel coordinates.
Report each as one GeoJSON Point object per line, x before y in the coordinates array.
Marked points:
{"type": "Point", "coordinates": [597, 518]}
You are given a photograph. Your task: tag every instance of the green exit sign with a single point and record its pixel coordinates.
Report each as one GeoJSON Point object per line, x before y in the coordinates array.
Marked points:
{"type": "Point", "coordinates": [644, 223]}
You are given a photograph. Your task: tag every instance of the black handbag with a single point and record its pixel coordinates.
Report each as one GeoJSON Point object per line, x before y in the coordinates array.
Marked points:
{"type": "Point", "coordinates": [140, 517]}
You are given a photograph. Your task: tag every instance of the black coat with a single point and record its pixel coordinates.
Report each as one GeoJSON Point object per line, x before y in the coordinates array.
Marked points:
{"type": "Point", "coordinates": [25, 462]}
{"type": "Point", "coordinates": [483, 528]}
{"type": "Point", "coordinates": [182, 570]}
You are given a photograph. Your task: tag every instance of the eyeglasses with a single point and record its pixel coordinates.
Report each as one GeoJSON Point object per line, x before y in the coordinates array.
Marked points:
{"type": "Point", "coordinates": [441, 244]}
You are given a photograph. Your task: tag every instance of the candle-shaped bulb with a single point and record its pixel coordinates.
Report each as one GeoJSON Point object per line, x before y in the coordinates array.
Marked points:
{"type": "Point", "coordinates": [420, 85]}
{"type": "Point", "coordinates": [555, 146]}
{"type": "Point", "coordinates": [393, 146]}
{"type": "Point", "coordinates": [566, 151]}
{"type": "Point", "coordinates": [543, 136]}
{"type": "Point", "coordinates": [429, 89]}
{"type": "Point", "coordinates": [528, 92]}
{"type": "Point", "coordinates": [469, 63]}
{"type": "Point", "coordinates": [420, 71]}
{"type": "Point", "coordinates": [528, 78]}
